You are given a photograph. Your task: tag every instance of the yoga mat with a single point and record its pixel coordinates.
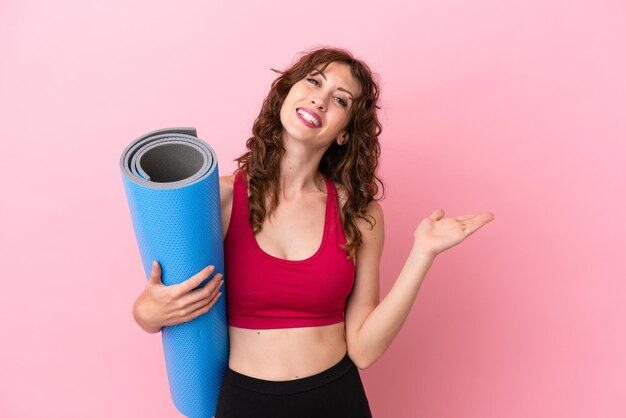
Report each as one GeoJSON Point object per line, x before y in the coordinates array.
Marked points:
{"type": "Point", "coordinates": [172, 187]}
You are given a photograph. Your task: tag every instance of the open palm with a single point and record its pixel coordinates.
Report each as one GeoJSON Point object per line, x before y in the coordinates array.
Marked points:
{"type": "Point", "coordinates": [436, 234]}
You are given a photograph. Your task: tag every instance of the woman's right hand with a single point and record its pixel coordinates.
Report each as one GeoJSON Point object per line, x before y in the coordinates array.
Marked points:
{"type": "Point", "coordinates": [160, 305]}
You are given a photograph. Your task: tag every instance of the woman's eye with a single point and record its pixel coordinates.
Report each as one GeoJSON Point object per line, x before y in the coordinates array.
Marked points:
{"type": "Point", "coordinates": [341, 101]}
{"type": "Point", "coordinates": [313, 81]}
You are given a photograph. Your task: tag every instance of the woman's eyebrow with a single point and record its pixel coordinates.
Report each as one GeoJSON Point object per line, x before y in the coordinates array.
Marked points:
{"type": "Point", "coordinates": [315, 72]}
{"type": "Point", "coordinates": [342, 89]}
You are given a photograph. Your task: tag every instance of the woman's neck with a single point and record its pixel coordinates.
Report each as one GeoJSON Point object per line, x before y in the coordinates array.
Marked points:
{"type": "Point", "coordinates": [298, 177]}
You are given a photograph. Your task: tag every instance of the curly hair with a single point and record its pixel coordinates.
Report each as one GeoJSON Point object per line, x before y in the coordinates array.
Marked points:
{"type": "Point", "coordinates": [353, 165]}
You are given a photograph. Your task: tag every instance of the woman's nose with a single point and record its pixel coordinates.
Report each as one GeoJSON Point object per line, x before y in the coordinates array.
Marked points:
{"type": "Point", "coordinates": [318, 103]}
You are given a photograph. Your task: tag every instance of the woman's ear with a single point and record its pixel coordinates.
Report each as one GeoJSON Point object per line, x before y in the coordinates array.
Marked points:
{"type": "Point", "coordinates": [341, 139]}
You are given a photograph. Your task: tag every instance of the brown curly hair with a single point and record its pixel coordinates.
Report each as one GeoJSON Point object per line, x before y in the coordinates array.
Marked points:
{"type": "Point", "coordinates": [353, 165]}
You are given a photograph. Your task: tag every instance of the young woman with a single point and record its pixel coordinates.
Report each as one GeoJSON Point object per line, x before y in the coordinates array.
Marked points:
{"type": "Point", "coordinates": [303, 237]}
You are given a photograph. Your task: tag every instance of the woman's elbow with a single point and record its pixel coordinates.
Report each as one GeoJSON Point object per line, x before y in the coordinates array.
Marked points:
{"type": "Point", "coordinates": [361, 361]}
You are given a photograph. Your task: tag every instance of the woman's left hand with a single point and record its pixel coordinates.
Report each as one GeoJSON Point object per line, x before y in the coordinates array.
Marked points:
{"type": "Point", "coordinates": [436, 234]}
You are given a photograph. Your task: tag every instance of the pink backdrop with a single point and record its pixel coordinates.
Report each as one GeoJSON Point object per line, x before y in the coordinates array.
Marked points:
{"type": "Point", "coordinates": [514, 107]}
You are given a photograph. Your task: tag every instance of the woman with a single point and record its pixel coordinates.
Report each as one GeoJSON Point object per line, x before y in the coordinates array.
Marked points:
{"type": "Point", "coordinates": [304, 311]}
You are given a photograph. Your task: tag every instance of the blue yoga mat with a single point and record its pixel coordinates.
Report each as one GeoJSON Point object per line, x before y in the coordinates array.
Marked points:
{"type": "Point", "coordinates": [172, 187]}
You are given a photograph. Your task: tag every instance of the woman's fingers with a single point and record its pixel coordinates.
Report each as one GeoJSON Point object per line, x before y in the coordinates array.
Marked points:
{"type": "Point", "coordinates": [203, 305]}
{"type": "Point", "coordinates": [206, 308]}
{"type": "Point", "coordinates": [194, 281]}
{"type": "Point", "coordinates": [194, 310]}
{"type": "Point", "coordinates": [208, 291]}
{"type": "Point", "coordinates": [436, 215]}
{"type": "Point", "coordinates": [470, 227]}
{"type": "Point", "coordinates": [155, 274]}
{"type": "Point", "coordinates": [161, 305]}
{"type": "Point", "coordinates": [485, 215]}
{"type": "Point", "coordinates": [472, 223]}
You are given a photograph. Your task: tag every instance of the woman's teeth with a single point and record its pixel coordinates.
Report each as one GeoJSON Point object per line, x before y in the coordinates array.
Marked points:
{"type": "Point", "coordinates": [308, 117]}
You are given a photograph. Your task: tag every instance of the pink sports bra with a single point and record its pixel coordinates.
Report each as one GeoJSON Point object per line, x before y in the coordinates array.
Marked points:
{"type": "Point", "coordinates": [266, 292]}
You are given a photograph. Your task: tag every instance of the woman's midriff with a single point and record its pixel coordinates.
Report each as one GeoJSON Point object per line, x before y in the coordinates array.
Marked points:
{"type": "Point", "coordinates": [287, 353]}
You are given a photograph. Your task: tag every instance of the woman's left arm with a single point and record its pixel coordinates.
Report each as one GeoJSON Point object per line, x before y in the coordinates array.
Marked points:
{"type": "Point", "coordinates": [372, 325]}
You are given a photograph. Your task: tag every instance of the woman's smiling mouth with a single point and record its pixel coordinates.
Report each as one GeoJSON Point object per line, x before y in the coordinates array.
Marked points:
{"type": "Point", "coordinates": [309, 117]}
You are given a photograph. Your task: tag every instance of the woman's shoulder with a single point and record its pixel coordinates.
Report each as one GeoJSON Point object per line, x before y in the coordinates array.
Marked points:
{"type": "Point", "coordinates": [229, 177]}
{"type": "Point", "coordinates": [373, 206]}
{"type": "Point", "coordinates": [341, 193]}
{"type": "Point", "coordinates": [227, 181]}
{"type": "Point", "coordinates": [226, 189]}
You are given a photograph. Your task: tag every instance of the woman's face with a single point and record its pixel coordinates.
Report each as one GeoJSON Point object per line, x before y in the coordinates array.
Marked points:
{"type": "Point", "coordinates": [318, 107]}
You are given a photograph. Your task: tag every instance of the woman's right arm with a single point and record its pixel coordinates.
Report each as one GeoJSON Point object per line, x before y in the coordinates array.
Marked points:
{"type": "Point", "coordinates": [160, 305]}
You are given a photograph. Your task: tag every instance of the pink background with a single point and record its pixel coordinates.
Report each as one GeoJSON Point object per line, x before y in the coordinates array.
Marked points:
{"type": "Point", "coordinates": [514, 107]}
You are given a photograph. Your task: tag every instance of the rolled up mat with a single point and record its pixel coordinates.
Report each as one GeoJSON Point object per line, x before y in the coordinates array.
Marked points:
{"type": "Point", "coordinates": [172, 187]}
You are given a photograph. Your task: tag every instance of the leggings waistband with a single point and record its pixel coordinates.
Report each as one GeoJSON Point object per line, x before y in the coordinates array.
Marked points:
{"type": "Point", "coordinates": [286, 387]}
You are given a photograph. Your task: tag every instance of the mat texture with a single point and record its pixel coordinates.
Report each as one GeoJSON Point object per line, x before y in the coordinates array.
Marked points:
{"type": "Point", "coordinates": [172, 187]}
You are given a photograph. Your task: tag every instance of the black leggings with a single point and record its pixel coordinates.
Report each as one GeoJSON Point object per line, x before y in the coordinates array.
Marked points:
{"type": "Point", "coordinates": [335, 392]}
